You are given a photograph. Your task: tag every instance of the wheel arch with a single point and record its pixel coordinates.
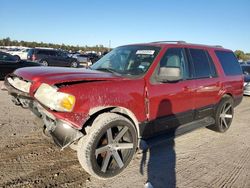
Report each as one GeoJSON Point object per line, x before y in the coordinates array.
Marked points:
{"type": "Point", "coordinates": [93, 113]}
{"type": "Point", "coordinates": [225, 94]}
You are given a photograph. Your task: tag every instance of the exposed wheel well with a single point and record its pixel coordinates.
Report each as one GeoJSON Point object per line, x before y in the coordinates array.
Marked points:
{"type": "Point", "coordinates": [118, 110]}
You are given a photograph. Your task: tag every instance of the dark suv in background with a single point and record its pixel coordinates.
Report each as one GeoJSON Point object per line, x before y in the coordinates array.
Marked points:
{"type": "Point", "coordinates": [51, 57]}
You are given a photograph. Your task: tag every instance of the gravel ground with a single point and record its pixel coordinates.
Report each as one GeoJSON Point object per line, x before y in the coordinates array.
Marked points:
{"type": "Point", "coordinates": [202, 158]}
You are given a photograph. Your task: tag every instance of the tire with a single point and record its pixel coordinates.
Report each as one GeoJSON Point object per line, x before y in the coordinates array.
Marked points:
{"type": "Point", "coordinates": [44, 63]}
{"type": "Point", "coordinates": [223, 115]}
{"type": "Point", "coordinates": [109, 132]}
{"type": "Point", "coordinates": [74, 64]}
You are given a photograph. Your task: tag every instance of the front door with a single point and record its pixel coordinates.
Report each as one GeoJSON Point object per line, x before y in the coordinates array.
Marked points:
{"type": "Point", "coordinates": [172, 103]}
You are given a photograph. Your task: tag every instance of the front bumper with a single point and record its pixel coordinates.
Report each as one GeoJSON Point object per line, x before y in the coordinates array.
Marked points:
{"type": "Point", "coordinates": [61, 131]}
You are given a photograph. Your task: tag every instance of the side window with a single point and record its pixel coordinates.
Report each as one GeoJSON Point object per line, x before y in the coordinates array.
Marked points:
{"type": "Point", "coordinates": [6, 57]}
{"type": "Point", "coordinates": [42, 52]}
{"type": "Point", "coordinates": [201, 63]}
{"type": "Point", "coordinates": [229, 62]}
{"type": "Point", "coordinates": [53, 53]}
{"type": "Point", "coordinates": [175, 57]}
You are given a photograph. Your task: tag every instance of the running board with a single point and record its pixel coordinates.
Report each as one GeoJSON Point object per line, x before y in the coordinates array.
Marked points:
{"type": "Point", "coordinates": [183, 129]}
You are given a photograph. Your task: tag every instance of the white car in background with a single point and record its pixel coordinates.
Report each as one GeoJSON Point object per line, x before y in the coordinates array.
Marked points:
{"type": "Point", "coordinates": [20, 53]}
{"type": "Point", "coordinates": [83, 60]}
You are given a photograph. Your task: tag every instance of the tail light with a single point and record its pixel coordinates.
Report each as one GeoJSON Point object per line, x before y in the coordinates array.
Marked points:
{"type": "Point", "coordinates": [33, 58]}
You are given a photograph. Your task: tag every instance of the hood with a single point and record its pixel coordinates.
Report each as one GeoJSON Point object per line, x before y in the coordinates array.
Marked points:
{"type": "Point", "coordinates": [56, 75]}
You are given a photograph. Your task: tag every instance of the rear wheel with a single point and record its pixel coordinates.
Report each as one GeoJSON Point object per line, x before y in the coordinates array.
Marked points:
{"type": "Point", "coordinates": [224, 115]}
{"type": "Point", "coordinates": [109, 147]}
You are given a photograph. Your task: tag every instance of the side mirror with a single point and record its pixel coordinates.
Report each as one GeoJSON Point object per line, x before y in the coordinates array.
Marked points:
{"type": "Point", "coordinates": [169, 74]}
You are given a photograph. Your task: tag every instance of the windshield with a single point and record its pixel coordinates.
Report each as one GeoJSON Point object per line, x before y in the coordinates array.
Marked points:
{"type": "Point", "coordinates": [128, 60]}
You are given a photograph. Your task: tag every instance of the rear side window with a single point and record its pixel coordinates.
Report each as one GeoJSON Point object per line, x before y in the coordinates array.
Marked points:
{"type": "Point", "coordinates": [229, 63]}
{"type": "Point", "coordinates": [201, 63]}
{"type": "Point", "coordinates": [52, 53]}
{"type": "Point", "coordinates": [43, 52]}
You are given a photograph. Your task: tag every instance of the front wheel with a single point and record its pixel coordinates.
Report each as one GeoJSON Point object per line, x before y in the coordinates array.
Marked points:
{"type": "Point", "coordinates": [74, 64]}
{"type": "Point", "coordinates": [109, 147]}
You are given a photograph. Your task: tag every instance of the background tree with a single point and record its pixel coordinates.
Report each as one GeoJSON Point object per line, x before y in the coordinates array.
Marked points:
{"type": "Point", "coordinates": [8, 42]}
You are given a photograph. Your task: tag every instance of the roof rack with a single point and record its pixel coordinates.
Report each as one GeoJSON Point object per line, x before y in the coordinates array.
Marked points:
{"type": "Point", "coordinates": [171, 41]}
{"type": "Point", "coordinates": [184, 42]}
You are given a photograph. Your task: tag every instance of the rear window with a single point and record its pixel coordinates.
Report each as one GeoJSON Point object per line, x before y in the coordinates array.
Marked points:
{"type": "Point", "coordinates": [229, 63]}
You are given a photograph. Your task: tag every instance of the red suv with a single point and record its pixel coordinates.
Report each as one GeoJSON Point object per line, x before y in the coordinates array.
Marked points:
{"type": "Point", "coordinates": [134, 92]}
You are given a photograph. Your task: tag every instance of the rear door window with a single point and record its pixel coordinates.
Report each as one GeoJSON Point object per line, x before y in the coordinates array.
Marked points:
{"type": "Point", "coordinates": [228, 62]}
{"type": "Point", "coordinates": [201, 63]}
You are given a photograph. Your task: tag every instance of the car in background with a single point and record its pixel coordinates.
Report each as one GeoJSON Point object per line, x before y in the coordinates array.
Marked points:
{"type": "Point", "coordinates": [246, 72]}
{"type": "Point", "coordinates": [19, 53]}
{"type": "Point", "coordinates": [83, 59]}
{"type": "Point", "coordinates": [9, 63]}
{"type": "Point", "coordinates": [93, 57]}
{"type": "Point", "coordinates": [51, 57]}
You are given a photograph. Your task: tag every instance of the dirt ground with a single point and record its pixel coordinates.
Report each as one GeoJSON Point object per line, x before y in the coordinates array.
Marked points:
{"type": "Point", "coordinates": [202, 158]}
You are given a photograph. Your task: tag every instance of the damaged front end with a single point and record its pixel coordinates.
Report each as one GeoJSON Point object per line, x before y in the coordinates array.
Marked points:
{"type": "Point", "coordinates": [62, 132]}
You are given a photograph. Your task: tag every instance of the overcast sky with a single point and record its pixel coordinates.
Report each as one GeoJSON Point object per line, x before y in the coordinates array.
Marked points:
{"type": "Point", "coordinates": [91, 22]}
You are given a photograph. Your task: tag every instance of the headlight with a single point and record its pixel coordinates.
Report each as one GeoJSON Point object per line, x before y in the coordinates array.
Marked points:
{"type": "Point", "coordinates": [55, 100]}
{"type": "Point", "coordinates": [19, 84]}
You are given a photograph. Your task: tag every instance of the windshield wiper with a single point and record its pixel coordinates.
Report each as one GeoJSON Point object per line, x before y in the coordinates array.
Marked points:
{"type": "Point", "coordinates": [108, 70]}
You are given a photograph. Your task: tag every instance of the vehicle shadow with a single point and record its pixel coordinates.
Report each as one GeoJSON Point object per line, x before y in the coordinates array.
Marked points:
{"type": "Point", "coordinates": [160, 157]}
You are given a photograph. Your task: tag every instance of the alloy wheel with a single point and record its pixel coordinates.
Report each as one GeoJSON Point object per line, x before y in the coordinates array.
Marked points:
{"type": "Point", "coordinates": [114, 149]}
{"type": "Point", "coordinates": [226, 116]}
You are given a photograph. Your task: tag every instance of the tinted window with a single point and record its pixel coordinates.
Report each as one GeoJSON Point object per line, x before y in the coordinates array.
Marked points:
{"type": "Point", "coordinates": [175, 57]}
{"type": "Point", "coordinates": [30, 52]}
{"type": "Point", "coordinates": [43, 52]}
{"type": "Point", "coordinates": [52, 53]}
{"type": "Point", "coordinates": [229, 62]}
{"type": "Point", "coordinates": [6, 57]}
{"type": "Point", "coordinates": [201, 63]}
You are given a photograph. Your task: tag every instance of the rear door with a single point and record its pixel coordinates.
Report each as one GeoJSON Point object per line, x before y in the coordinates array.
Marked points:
{"type": "Point", "coordinates": [207, 83]}
{"type": "Point", "coordinates": [171, 104]}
